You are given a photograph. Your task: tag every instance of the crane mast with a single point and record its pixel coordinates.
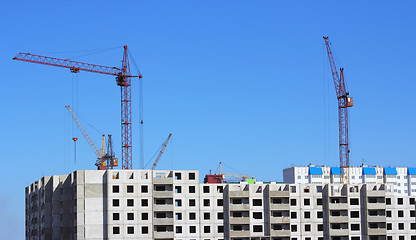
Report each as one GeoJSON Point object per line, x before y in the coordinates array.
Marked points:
{"type": "Point", "coordinates": [123, 79]}
{"type": "Point", "coordinates": [344, 102]}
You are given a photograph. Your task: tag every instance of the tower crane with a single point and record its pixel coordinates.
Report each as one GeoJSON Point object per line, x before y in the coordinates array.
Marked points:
{"type": "Point", "coordinates": [344, 102]}
{"type": "Point", "coordinates": [161, 152]}
{"type": "Point", "coordinates": [100, 153]}
{"type": "Point", "coordinates": [123, 79]}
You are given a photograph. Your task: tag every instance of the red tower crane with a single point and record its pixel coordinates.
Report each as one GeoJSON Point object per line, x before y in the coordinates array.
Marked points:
{"type": "Point", "coordinates": [344, 102]}
{"type": "Point", "coordinates": [123, 79]}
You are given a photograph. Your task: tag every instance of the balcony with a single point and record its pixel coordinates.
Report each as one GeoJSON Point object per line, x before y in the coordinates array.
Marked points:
{"type": "Point", "coordinates": [163, 235]}
{"type": "Point", "coordinates": [162, 207]}
{"type": "Point", "coordinates": [163, 194]}
{"type": "Point", "coordinates": [338, 219]}
{"type": "Point", "coordinates": [377, 231]}
{"type": "Point", "coordinates": [279, 220]}
{"type": "Point", "coordinates": [339, 232]}
{"type": "Point", "coordinates": [163, 221]}
{"type": "Point", "coordinates": [240, 233]}
{"type": "Point", "coordinates": [239, 194]}
{"type": "Point", "coordinates": [279, 193]}
{"type": "Point", "coordinates": [239, 220]}
{"type": "Point", "coordinates": [280, 233]}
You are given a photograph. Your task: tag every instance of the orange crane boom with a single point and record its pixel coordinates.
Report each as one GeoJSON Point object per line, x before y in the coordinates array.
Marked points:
{"type": "Point", "coordinates": [98, 152]}
{"type": "Point", "coordinates": [123, 79]}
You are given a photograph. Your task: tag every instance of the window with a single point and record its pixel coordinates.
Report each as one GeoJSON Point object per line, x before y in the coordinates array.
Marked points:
{"type": "Point", "coordinates": [160, 188]}
{"type": "Point", "coordinates": [145, 189]}
{"type": "Point", "coordinates": [307, 214]}
{"type": "Point", "coordinates": [293, 215]}
{"type": "Point", "coordinates": [320, 214]}
{"type": "Point", "coordinates": [116, 216]}
{"type": "Point", "coordinates": [116, 230]}
{"type": "Point", "coordinates": [401, 226]}
{"type": "Point", "coordinates": [237, 214]}
{"type": "Point", "coordinates": [130, 202]}
{"type": "Point", "coordinates": [116, 189]}
{"type": "Point", "coordinates": [389, 226]}
{"type": "Point", "coordinates": [318, 189]}
{"type": "Point", "coordinates": [319, 201]}
{"type": "Point", "coordinates": [145, 216]}
{"type": "Point", "coordinates": [401, 237]}
{"type": "Point", "coordinates": [293, 189]}
{"type": "Point", "coordinates": [145, 230]}
{"type": "Point", "coordinates": [257, 215]}
{"type": "Point", "coordinates": [400, 213]}
{"type": "Point", "coordinates": [178, 176]}
{"type": "Point", "coordinates": [388, 213]}
{"type": "Point", "coordinates": [130, 230]}
{"type": "Point", "coordinates": [320, 227]}
{"type": "Point", "coordinates": [355, 214]}
{"type": "Point", "coordinates": [237, 201]}
{"type": "Point", "coordinates": [355, 227]}
{"type": "Point", "coordinates": [306, 202]}
{"type": "Point", "coordinates": [307, 227]}
{"type": "Point", "coordinates": [178, 202]}
{"type": "Point", "coordinates": [178, 229]}
{"type": "Point", "coordinates": [257, 202]}
{"type": "Point", "coordinates": [354, 201]}
{"type": "Point", "coordinates": [411, 201]}
{"type": "Point", "coordinates": [145, 202]}
{"type": "Point", "coordinates": [191, 176]}
{"type": "Point", "coordinates": [206, 203]}
{"type": "Point", "coordinates": [257, 228]}
{"type": "Point", "coordinates": [294, 228]}
{"type": "Point", "coordinates": [220, 189]}
{"type": "Point", "coordinates": [220, 215]}
{"type": "Point", "coordinates": [400, 201]}
{"type": "Point", "coordinates": [292, 202]}
{"type": "Point", "coordinates": [191, 189]}
{"type": "Point", "coordinates": [130, 216]}
{"type": "Point", "coordinates": [413, 226]}
{"type": "Point", "coordinates": [412, 213]}
{"type": "Point", "coordinates": [206, 189]}
{"type": "Point", "coordinates": [130, 188]}
{"type": "Point", "coordinates": [191, 202]}
{"type": "Point", "coordinates": [178, 216]}
{"type": "Point", "coordinates": [192, 229]}
{"type": "Point", "coordinates": [207, 216]}
{"type": "Point", "coordinates": [192, 216]}
{"type": "Point", "coordinates": [207, 229]}
{"type": "Point", "coordinates": [178, 189]}
{"type": "Point", "coordinates": [116, 202]}
{"type": "Point", "coordinates": [220, 229]}
{"type": "Point", "coordinates": [220, 202]}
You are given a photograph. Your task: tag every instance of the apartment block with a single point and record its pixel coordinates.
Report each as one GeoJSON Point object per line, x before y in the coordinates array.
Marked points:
{"type": "Point", "coordinates": [402, 180]}
{"type": "Point", "coordinates": [146, 204]}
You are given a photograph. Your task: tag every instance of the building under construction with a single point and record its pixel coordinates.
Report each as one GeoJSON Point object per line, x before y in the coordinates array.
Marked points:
{"type": "Point", "coordinates": [156, 204]}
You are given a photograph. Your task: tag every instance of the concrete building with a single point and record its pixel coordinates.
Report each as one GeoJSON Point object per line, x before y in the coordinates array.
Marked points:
{"type": "Point", "coordinates": [145, 204]}
{"type": "Point", "coordinates": [401, 180]}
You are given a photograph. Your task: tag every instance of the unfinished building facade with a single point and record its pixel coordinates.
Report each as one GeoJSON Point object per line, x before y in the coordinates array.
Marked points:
{"type": "Point", "coordinates": [146, 204]}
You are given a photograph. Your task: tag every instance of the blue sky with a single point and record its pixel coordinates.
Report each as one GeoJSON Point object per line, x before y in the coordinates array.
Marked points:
{"type": "Point", "coordinates": [242, 82]}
